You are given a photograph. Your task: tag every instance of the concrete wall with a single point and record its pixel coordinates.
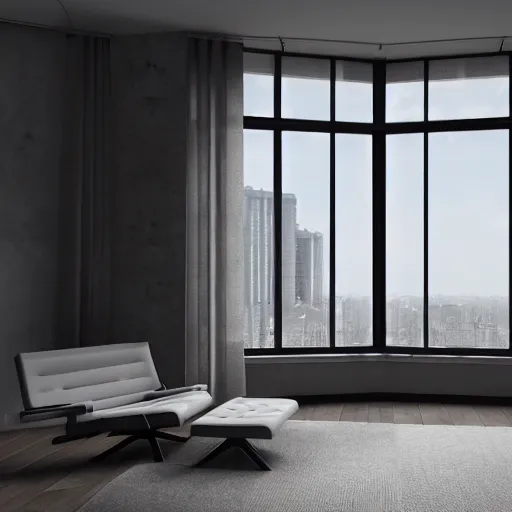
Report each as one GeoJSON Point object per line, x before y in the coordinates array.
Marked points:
{"type": "Point", "coordinates": [148, 157]}
{"type": "Point", "coordinates": [334, 375]}
{"type": "Point", "coordinates": [31, 91]}
{"type": "Point", "coordinates": [149, 90]}
{"type": "Point", "coordinates": [148, 172]}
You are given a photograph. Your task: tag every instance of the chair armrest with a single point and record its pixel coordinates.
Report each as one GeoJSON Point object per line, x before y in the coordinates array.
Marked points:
{"type": "Point", "coordinates": [55, 411]}
{"type": "Point", "coordinates": [152, 395]}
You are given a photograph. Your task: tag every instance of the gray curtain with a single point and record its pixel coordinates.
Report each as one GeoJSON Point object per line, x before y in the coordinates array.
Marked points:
{"type": "Point", "coordinates": [214, 329]}
{"type": "Point", "coordinates": [84, 293]}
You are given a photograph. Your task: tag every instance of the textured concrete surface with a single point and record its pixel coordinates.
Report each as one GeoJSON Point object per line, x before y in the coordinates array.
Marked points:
{"type": "Point", "coordinates": [31, 90]}
{"type": "Point", "coordinates": [38, 189]}
{"type": "Point", "coordinates": [149, 88]}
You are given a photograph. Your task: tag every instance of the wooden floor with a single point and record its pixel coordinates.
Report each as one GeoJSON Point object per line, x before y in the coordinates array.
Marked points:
{"type": "Point", "coordinates": [36, 476]}
{"type": "Point", "coordinates": [408, 413]}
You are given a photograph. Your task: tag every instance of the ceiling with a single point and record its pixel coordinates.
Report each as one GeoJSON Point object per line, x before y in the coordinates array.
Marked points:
{"type": "Point", "coordinates": [374, 21]}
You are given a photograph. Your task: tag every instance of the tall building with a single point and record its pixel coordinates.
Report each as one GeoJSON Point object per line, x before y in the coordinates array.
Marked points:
{"type": "Point", "coordinates": [353, 321]}
{"type": "Point", "coordinates": [259, 267]}
{"type": "Point", "coordinates": [288, 251]}
{"type": "Point", "coordinates": [303, 308]}
{"type": "Point", "coordinates": [309, 267]}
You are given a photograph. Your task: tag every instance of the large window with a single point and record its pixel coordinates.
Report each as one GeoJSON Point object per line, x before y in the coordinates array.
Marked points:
{"type": "Point", "coordinates": [305, 88]}
{"type": "Point", "coordinates": [258, 225]}
{"type": "Point", "coordinates": [405, 92]}
{"type": "Point", "coordinates": [468, 88]}
{"type": "Point", "coordinates": [305, 231]}
{"type": "Point", "coordinates": [404, 240]}
{"type": "Point", "coordinates": [376, 209]}
{"type": "Point", "coordinates": [354, 92]}
{"type": "Point", "coordinates": [353, 240]}
{"type": "Point", "coordinates": [258, 85]}
{"type": "Point", "coordinates": [468, 243]}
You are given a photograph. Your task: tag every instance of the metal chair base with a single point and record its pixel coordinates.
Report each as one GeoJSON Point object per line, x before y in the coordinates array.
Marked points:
{"type": "Point", "coordinates": [152, 436]}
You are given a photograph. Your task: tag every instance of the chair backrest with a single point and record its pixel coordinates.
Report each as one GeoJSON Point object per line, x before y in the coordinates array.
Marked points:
{"type": "Point", "coordinates": [112, 375]}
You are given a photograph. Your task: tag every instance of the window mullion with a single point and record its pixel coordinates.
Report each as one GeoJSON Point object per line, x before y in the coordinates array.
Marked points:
{"type": "Point", "coordinates": [425, 208]}
{"type": "Point", "coordinates": [379, 206]}
{"type": "Point", "coordinates": [278, 165]}
{"type": "Point", "coordinates": [509, 193]}
{"type": "Point", "coordinates": [332, 219]}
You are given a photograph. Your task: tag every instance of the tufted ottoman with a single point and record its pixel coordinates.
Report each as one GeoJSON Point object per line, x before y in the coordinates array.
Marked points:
{"type": "Point", "coordinates": [242, 418]}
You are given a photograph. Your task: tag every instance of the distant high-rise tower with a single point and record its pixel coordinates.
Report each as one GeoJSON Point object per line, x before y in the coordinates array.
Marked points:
{"type": "Point", "coordinates": [288, 251]}
{"type": "Point", "coordinates": [309, 267]}
{"type": "Point", "coordinates": [259, 266]}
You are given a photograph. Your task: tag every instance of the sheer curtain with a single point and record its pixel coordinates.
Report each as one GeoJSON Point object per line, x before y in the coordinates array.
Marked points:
{"type": "Point", "coordinates": [214, 335]}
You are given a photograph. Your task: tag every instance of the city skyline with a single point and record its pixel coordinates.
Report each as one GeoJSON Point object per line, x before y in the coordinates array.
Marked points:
{"type": "Point", "coordinates": [454, 321]}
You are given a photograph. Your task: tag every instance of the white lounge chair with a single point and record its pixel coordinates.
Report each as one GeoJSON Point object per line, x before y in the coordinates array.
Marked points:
{"type": "Point", "coordinates": [109, 388]}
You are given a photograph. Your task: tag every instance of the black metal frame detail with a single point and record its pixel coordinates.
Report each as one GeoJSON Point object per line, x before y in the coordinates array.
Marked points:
{"type": "Point", "coordinates": [379, 129]}
{"type": "Point", "coordinates": [151, 435]}
{"type": "Point", "coordinates": [242, 444]}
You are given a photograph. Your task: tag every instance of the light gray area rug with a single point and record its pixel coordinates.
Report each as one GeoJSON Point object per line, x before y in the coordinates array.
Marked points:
{"type": "Point", "coordinates": [329, 467]}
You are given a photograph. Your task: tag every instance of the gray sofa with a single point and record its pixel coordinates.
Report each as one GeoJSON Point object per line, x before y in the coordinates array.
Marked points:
{"type": "Point", "coordinates": [109, 388]}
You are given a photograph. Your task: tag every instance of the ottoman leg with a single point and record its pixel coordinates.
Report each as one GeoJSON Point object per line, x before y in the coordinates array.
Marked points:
{"type": "Point", "coordinates": [222, 447]}
{"type": "Point", "coordinates": [244, 445]}
{"type": "Point", "coordinates": [253, 454]}
{"type": "Point", "coordinates": [155, 448]}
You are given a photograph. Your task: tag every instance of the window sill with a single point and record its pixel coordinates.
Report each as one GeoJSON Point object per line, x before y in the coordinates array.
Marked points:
{"type": "Point", "coordinates": [389, 358]}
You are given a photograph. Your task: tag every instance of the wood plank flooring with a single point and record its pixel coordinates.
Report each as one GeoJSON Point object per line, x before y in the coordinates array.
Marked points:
{"type": "Point", "coordinates": [36, 476]}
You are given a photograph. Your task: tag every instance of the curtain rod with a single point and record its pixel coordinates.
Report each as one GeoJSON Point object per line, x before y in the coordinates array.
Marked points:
{"type": "Point", "coordinates": [278, 39]}
{"type": "Point", "coordinates": [64, 30]}
{"type": "Point", "coordinates": [238, 38]}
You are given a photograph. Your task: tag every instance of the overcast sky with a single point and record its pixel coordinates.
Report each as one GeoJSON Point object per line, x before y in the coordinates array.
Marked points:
{"type": "Point", "coordinates": [468, 183]}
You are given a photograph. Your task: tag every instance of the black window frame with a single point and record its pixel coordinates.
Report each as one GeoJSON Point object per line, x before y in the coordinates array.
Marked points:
{"type": "Point", "coordinates": [379, 130]}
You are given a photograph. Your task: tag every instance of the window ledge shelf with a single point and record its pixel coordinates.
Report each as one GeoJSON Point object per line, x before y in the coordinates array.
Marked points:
{"type": "Point", "coordinates": [389, 358]}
